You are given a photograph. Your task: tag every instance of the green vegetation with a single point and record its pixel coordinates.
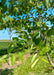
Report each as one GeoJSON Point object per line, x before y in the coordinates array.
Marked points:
{"type": "Point", "coordinates": [3, 45]}
{"type": "Point", "coordinates": [25, 68]}
{"type": "Point", "coordinates": [33, 22]}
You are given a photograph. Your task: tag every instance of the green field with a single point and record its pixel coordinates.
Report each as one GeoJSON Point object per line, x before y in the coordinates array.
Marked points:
{"type": "Point", "coordinates": [3, 45]}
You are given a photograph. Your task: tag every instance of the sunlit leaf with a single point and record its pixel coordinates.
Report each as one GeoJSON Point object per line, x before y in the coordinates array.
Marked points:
{"type": "Point", "coordinates": [34, 57]}
{"type": "Point", "coordinates": [35, 63]}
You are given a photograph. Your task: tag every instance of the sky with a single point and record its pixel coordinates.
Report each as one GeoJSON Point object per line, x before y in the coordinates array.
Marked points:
{"type": "Point", "coordinates": [4, 35]}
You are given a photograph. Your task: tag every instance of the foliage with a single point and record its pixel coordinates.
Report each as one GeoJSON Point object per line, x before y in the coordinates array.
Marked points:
{"type": "Point", "coordinates": [13, 59]}
{"type": "Point", "coordinates": [27, 29]}
{"type": "Point", "coordinates": [36, 58]}
{"type": "Point", "coordinates": [30, 22]}
{"type": "Point", "coordinates": [44, 50]}
{"type": "Point", "coordinates": [52, 53]}
{"type": "Point", "coordinates": [25, 68]}
{"type": "Point", "coordinates": [4, 44]}
{"type": "Point", "coordinates": [3, 47]}
{"type": "Point", "coordinates": [21, 56]}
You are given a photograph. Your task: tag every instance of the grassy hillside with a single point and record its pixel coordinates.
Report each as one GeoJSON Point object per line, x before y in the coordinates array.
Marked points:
{"type": "Point", "coordinates": [3, 45]}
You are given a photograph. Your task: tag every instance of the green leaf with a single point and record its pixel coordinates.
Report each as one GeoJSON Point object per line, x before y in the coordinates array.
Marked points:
{"type": "Point", "coordinates": [34, 57]}
{"type": "Point", "coordinates": [5, 57]}
{"type": "Point", "coordinates": [38, 23]}
{"type": "Point", "coordinates": [44, 50]}
{"type": "Point", "coordinates": [13, 59]}
{"type": "Point", "coordinates": [21, 56]}
{"type": "Point", "coordinates": [44, 60]}
{"type": "Point", "coordinates": [52, 71]}
{"type": "Point", "coordinates": [34, 63]}
{"type": "Point", "coordinates": [3, 1]}
{"type": "Point", "coordinates": [46, 3]}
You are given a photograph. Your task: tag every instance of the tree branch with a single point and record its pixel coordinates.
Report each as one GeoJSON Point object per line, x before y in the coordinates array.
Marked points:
{"type": "Point", "coordinates": [49, 60]}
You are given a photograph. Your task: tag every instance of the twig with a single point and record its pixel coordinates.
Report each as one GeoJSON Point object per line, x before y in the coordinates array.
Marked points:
{"type": "Point", "coordinates": [49, 60]}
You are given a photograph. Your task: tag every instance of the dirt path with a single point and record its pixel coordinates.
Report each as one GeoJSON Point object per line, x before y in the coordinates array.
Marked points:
{"type": "Point", "coordinates": [19, 62]}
